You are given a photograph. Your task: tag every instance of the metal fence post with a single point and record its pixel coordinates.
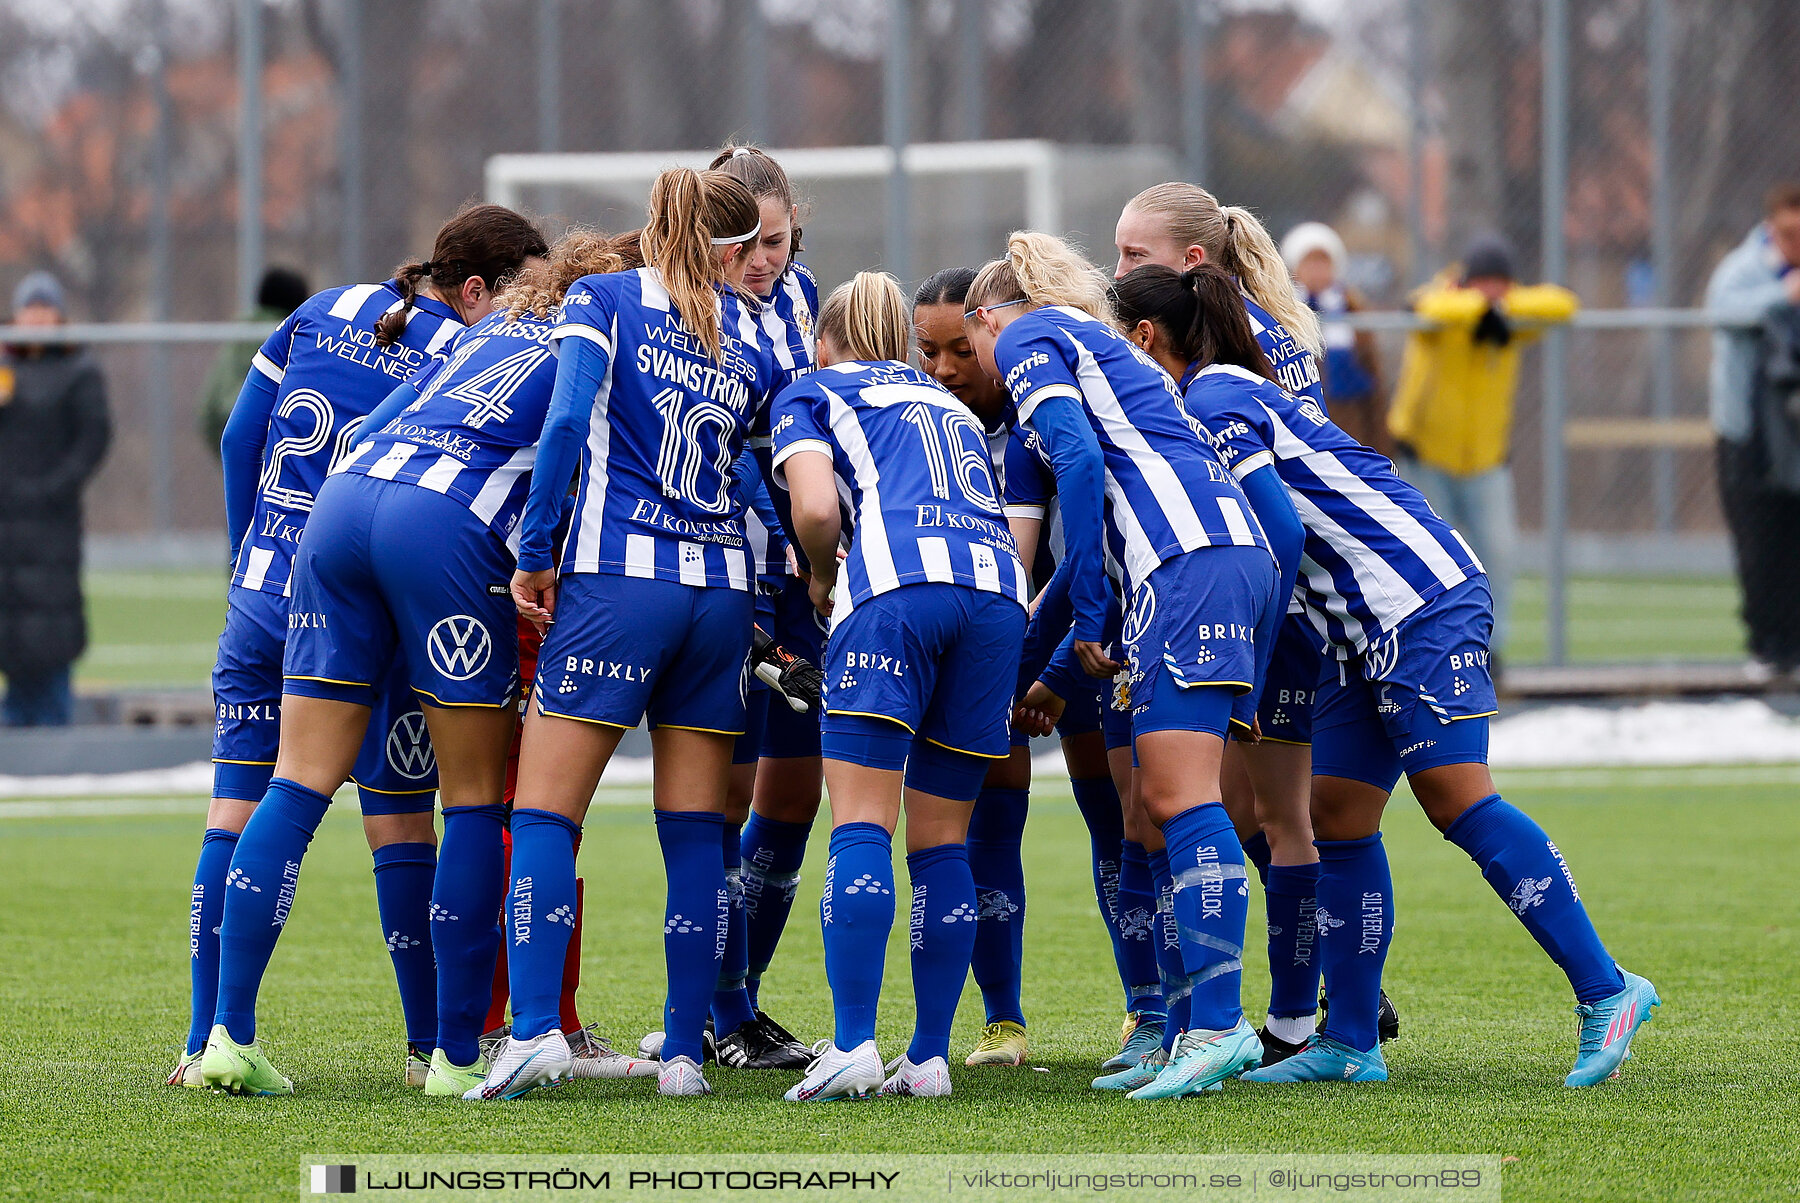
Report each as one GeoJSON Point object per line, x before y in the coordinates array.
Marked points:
{"type": "Point", "coordinates": [1555, 171]}
{"type": "Point", "coordinates": [250, 152]}
{"type": "Point", "coordinates": [549, 76]}
{"type": "Point", "coordinates": [1193, 90]}
{"type": "Point", "coordinates": [1662, 253]}
{"type": "Point", "coordinates": [350, 140]}
{"type": "Point", "coordinates": [1417, 49]}
{"type": "Point", "coordinates": [897, 92]}
{"type": "Point", "coordinates": [757, 125]}
{"type": "Point", "coordinates": [158, 396]}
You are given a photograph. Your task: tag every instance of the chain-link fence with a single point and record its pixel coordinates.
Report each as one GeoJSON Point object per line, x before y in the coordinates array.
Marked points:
{"type": "Point", "coordinates": [1409, 126]}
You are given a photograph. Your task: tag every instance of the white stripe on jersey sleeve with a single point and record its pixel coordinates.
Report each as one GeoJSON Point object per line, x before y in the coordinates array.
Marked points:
{"type": "Point", "coordinates": [1245, 467]}
{"type": "Point", "coordinates": [1025, 511]}
{"type": "Point", "coordinates": [794, 448]}
{"type": "Point", "coordinates": [579, 330]}
{"type": "Point", "coordinates": [389, 465]}
{"type": "Point", "coordinates": [586, 535]}
{"type": "Point", "coordinates": [640, 556]}
{"type": "Point", "coordinates": [690, 562]}
{"type": "Point", "coordinates": [777, 332]}
{"type": "Point", "coordinates": [1028, 406]}
{"type": "Point", "coordinates": [446, 331]}
{"type": "Point", "coordinates": [871, 531]}
{"type": "Point", "coordinates": [256, 568]}
{"type": "Point", "coordinates": [1236, 523]}
{"type": "Point", "coordinates": [499, 484]}
{"type": "Point", "coordinates": [987, 569]}
{"type": "Point", "coordinates": [267, 367]}
{"type": "Point", "coordinates": [934, 558]}
{"type": "Point", "coordinates": [441, 475]}
{"type": "Point", "coordinates": [352, 299]}
{"type": "Point", "coordinates": [736, 568]}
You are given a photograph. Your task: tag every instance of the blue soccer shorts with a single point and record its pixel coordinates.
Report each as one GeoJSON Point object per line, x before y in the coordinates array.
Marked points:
{"type": "Point", "coordinates": [625, 648]}
{"type": "Point", "coordinates": [1198, 620]}
{"type": "Point", "coordinates": [391, 570]}
{"type": "Point", "coordinates": [1419, 697]}
{"type": "Point", "coordinates": [395, 768]}
{"type": "Point", "coordinates": [1284, 707]}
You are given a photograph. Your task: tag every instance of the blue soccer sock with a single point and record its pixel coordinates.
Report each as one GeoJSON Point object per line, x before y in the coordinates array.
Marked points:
{"type": "Point", "coordinates": [259, 892]}
{"type": "Point", "coordinates": [942, 938]}
{"type": "Point", "coordinates": [995, 831]}
{"type": "Point", "coordinates": [1212, 902]}
{"type": "Point", "coordinates": [1168, 950]}
{"type": "Point", "coordinates": [731, 1001]}
{"type": "Point", "coordinates": [540, 917]}
{"type": "Point", "coordinates": [1528, 872]}
{"type": "Point", "coordinates": [857, 913]}
{"type": "Point", "coordinates": [1138, 932]}
{"type": "Point", "coordinates": [404, 875]}
{"type": "Point", "coordinates": [772, 852]}
{"type": "Point", "coordinates": [206, 904]}
{"type": "Point", "coordinates": [1256, 852]}
{"type": "Point", "coordinates": [696, 918]}
{"type": "Point", "coordinates": [1098, 800]}
{"type": "Point", "coordinates": [465, 935]}
{"type": "Point", "coordinates": [1292, 896]}
{"type": "Point", "coordinates": [1356, 923]}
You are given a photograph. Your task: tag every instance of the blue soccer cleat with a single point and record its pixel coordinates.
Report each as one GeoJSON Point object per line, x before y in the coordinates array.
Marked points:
{"type": "Point", "coordinates": [1324, 1060]}
{"type": "Point", "coordinates": [1203, 1061]}
{"type": "Point", "coordinates": [1142, 1035]}
{"type": "Point", "coordinates": [1607, 1028]}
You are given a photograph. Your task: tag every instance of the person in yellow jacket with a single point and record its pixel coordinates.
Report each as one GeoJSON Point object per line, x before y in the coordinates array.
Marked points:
{"type": "Point", "coordinates": [1452, 414]}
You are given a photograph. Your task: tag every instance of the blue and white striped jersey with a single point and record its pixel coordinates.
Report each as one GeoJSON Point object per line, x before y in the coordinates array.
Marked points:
{"type": "Point", "coordinates": [473, 433]}
{"type": "Point", "coordinates": [667, 424]}
{"type": "Point", "coordinates": [1028, 490]}
{"type": "Point", "coordinates": [1166, 491]}
{"type": "Point", "coordinates": [328, 375]}
{"type": "Point", "coordinates": [787, 319]}
{"type": "Point", "coordinates": [1374, 552]}
{"type": "Point", "coordinates": [762, 524]}
{"type": "Point", "coordinates": [1296, 368]}
{"type": "Point", "coordinates": [912, 463]}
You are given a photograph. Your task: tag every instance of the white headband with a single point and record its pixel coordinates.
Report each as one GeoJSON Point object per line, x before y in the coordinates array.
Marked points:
{"type": "Point", "coordinates": [755, 230]}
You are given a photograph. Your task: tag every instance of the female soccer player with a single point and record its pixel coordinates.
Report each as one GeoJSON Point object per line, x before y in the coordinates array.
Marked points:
{"type": "Point", "coordinates": [997, 827]}
{"type": "Point", "coordinates": [1404, 605]}
{"type": "Point", "coordinates": [926, 627]}
{"type": "Point", "coordinates": [660, 375]}
{"type": "Point", "coordinates": [313, 382]}
{"type": "Point", "coordinates": [1133, 478]}
{"type": "Point", "coordinates": [1180, 225]}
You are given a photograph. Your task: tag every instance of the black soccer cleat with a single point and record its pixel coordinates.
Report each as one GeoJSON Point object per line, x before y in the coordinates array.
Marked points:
{"type": "Point", "coordinates": [798, 681]}
{"type": "Point", "coordinates": [1275, 1049]}
{"type": "Point", "coordinates": [763, 1044]}
{"type": "Point", "coordinates": [1387, 1019]}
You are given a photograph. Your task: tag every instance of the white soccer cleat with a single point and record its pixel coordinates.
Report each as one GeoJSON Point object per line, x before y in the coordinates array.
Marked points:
{"type": "Point", "coordinates": [187, 1071]}
{"type": "Point", "coordinates": [928, 1081]}
{"type": "Point", "coordinates": [651, 1045]}
{"type": "Point", "coordinates": [417, 1068]}
{"type": "Point", "coordinates": [680, 1078]}
{"type": "Point", "coordinates": [595, 1058]}
{"type": "Point", "coordinates": [524, 1066]}
{"type": "Point", "coordinates": [837, 1074]}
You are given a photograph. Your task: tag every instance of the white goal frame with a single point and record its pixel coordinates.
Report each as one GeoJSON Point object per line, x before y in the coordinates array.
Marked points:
{"type": "Point", "coordinates": [1034, 160]}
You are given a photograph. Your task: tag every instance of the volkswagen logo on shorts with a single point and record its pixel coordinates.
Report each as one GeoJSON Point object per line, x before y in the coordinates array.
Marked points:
{"type": "Point", "coordinates": [459, 646]}
{"type": "Point", "coordinates": [1139, 617]}
{"type": "Point", "coordinates": [409, 747]}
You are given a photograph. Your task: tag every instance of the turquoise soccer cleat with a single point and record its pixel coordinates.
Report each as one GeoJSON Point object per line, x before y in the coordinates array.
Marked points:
{"type": "Point", "coordinates": [1607, 1028]}
{"type": "Point", "coordinates": [1324, 1060]}
{"type": "Point", "coordinates": [1143, 1035]}
{"type": "Point", "coordinates": [1203, 1061]}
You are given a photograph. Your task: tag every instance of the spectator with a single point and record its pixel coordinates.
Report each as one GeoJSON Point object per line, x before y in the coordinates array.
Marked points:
{"type": "Point", "coordinates": [280, 293]}
{"type": "Point", "coordinates": [53, 434]}
{"type": "Point", "coordinates": [1316, 258]}
{"type": "Point", "coordinates": [1758, 283]}
{"type": "Point", "coordinates": [1453, 406]}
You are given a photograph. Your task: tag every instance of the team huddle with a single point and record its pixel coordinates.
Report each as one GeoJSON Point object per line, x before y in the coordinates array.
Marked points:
{"type": "Point", "coordinates": [491, 514]}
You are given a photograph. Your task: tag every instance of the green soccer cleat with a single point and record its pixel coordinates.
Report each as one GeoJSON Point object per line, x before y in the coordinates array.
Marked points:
{"type": "Point", "coordinates": [453, 1081]}
{"type": "Point", "coordinates": [1001, 1043]}
{"type": "Point", "coordinates": [239, 1068]}
{"type": "Point", "coordinates": [1201, 1061]}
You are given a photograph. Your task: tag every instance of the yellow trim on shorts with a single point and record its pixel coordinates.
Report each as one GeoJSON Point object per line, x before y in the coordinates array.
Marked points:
{"type": "Point", "coordinates": [964, 751]}
{"type": "Point", "coordinates": [886, 718]}
{"type": "Point", "coordinates": [394, 793]}
{"type": "Point", "coordinates": [328, 681]}
{"type": "Point", "coordinates": [1239, 724]}
{"type": "Point", "coordinates": [702, 730]}
{"type": "Point", "coordinates": [1457, 718]}
{"type": "Point", "coordinates": [218, 760]}
{"type": "Point", "coordinates": [1292, 743]}
{"type": "Point", "coordinates": [576, 718]}
{"type": "Point", "coordinates": [443, 705]}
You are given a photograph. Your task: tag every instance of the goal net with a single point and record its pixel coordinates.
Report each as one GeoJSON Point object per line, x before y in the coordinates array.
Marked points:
{"type": "Point", "coordinates": [964, 197]}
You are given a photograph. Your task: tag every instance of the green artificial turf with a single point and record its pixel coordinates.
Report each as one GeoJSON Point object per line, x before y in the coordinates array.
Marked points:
{"type": "Point", "coordinates": [1689, 876]}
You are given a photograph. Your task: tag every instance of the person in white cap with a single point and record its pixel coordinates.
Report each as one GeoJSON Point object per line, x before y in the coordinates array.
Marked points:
{"type": "Point", "coordinates": [1315, 255]}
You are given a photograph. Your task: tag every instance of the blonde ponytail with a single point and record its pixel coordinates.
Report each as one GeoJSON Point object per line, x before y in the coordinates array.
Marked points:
{"type": "Point", "coordinates": [541, 287]}
{"type": "Point", "coordinates": [1250, 254]}
{"type": "Point", "coordinates": [1235, 240]}
{"type": "Point", "coordinates": [691, 213]}
{"type": "Point", "coordinates": [1045, 270]}
{"type": "Point", "coordinates": [867, 319]}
